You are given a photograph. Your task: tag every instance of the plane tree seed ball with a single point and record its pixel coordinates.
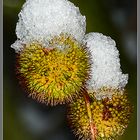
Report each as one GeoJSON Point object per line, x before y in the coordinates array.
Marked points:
{"type": "Point", "coordinates": [110, 116]}
{"type": "Point", "coordinates": [54, 74]}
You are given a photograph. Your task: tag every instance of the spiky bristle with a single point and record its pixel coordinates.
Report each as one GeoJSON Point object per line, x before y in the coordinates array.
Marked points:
{"type": "Point", "coordinates": [55, 73]}
{"type": "Point", "coordinates": [110, 116]}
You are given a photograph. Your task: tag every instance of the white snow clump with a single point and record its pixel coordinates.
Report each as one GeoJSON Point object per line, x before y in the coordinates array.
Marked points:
{"type": "Point", "coordinates": [43, 19]}
{"type": "Point", "coordinates": [105, 67]}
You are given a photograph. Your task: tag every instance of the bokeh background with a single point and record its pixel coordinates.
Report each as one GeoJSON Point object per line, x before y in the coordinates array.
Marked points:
{"type": "Point", "coordinates": [24, 118]}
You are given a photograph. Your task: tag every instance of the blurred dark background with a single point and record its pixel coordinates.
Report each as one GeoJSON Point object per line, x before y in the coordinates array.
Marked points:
{"type": "Point", "coordinates": [24, 118]}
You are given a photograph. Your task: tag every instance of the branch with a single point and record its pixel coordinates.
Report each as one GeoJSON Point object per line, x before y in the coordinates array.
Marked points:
{"type": "Point", "coordinates": [92, 126]}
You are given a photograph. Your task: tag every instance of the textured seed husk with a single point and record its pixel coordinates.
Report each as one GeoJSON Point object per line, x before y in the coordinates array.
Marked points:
{"type": "Point", "coordinates": [110, 116]}
{"type": "Point", "coordinates": [53, 74]}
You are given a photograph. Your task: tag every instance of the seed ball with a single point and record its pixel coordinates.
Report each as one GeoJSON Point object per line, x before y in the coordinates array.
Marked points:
{"type": "Point", "coordinates": [110, 116]}
{"type": "Point", "coordinates": [55, 73]}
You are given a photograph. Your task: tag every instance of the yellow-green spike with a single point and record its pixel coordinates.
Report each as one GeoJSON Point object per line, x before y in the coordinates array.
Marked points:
{"type": "Point", "coordinates": [55, 73]}
{"type": "Point", "coordinates": [110, 116]}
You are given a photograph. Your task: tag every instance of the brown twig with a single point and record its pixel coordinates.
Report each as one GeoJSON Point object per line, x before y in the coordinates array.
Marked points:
{"type": "Point", "coordinates": [92, 126]}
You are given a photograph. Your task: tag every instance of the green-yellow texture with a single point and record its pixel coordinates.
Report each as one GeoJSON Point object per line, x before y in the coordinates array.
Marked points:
{"type": "Point", "coordinates": [54, 74]}
{"type": "Point", "coordinates": [98, 20]}
{"type": "Point", "coordinates": [110, 116]}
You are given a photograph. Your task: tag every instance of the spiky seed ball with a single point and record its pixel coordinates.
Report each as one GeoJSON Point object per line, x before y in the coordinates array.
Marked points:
{"type": "Point", "coordinates": [110, 116]}
{"type": "Point", "coordinates": [55, 73]}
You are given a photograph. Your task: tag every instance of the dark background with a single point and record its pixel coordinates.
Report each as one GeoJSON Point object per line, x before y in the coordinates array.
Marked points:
{"type": "Point", "coordinates": [24, 118]}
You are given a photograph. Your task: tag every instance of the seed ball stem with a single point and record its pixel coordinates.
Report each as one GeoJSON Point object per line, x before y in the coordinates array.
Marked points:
{"type": "Point", "coordinates": [92, 125]}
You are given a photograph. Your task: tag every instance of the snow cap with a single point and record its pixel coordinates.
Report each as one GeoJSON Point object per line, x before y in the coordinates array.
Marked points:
{"type": "Point", "coordinates": [42, 19]}
{"type": "Point", "coordinates": [105, 67]}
